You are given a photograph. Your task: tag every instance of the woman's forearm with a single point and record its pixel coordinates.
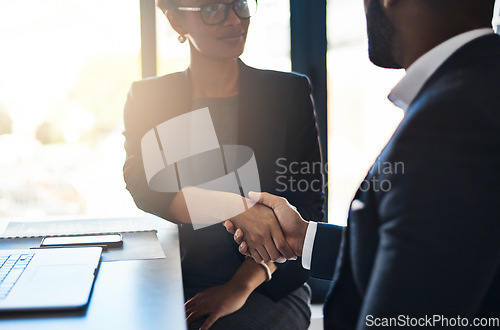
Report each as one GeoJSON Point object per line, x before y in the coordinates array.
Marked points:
{"type": "Point", "coordinates": [250, 275]}
{"type": "Point", "coordinates": [205, 206]}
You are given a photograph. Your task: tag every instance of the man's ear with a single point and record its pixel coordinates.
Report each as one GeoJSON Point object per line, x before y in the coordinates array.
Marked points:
{"type": "Point", "coordinates": [176, 22]}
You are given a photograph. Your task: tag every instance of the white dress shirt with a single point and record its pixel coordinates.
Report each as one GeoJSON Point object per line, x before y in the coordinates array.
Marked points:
{"type": "Point", "coordinates": [417, 74]}
{"type": "Point", "coordinates": [403, 94]}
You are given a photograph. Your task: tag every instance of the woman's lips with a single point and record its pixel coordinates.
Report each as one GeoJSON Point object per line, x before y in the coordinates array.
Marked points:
{"type": "Point", "coordinates": [232, 38]}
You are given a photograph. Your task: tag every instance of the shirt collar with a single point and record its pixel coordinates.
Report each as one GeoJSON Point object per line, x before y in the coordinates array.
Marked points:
{"type": "Point", "coordinates": [403, 94]}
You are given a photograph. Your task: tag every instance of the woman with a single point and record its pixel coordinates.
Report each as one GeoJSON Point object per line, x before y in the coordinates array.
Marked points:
{"type": "Point", "coordinates": [270, 112]}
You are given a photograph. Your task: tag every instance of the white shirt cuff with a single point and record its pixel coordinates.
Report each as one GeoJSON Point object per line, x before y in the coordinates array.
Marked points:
{"type": "Point", "coordinates": [307, 249]}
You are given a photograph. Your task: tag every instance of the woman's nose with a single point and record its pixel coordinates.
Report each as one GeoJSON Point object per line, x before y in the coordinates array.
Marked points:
{"type": "Point", "coordinates": [232, 18]}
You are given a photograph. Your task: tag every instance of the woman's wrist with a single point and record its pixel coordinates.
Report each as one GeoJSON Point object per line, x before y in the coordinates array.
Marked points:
{"type": "Point", "coordinates": [249, 276]}
{"type": "Point", "coordinates": [244, 287]}
{"type": "Point", "coordinates": [266, 268]}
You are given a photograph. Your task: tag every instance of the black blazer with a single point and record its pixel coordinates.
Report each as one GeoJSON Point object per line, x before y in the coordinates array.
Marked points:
{"type": "Point", "coordinates": [428, 243]}
{"type": "Point", "coordinates": [277, 120]}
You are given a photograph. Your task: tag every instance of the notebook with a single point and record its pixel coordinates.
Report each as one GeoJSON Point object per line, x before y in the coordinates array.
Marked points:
{"type": "Point", "coordinates": [139, 238]}
{"type": "Point", "coordinates": [47, 279]}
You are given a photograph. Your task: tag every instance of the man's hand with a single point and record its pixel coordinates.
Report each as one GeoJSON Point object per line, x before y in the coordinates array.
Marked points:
{"type": "Point", "coordinates": [292, 224]}
{"type": "Point", "coordinates": [263, 234]}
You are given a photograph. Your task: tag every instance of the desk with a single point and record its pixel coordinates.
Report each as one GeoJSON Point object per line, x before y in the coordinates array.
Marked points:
{"type": "Point", "coordinates": [127, 295]}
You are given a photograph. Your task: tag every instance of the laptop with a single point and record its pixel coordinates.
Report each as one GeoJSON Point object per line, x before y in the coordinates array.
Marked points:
{"type": "Point", "coordinates": [47, 279]}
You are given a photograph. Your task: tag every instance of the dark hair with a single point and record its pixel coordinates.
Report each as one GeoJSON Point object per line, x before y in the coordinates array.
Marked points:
{"type": "Point", "coordinates": [167, 4]}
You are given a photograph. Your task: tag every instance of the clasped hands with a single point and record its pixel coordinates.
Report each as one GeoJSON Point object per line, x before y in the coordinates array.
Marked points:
{"type": "Point", "coordinates": [271, 230]}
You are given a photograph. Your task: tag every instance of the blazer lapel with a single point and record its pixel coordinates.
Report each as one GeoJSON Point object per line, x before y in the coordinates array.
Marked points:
{"type": "Point", "coordinates": [248, 104]}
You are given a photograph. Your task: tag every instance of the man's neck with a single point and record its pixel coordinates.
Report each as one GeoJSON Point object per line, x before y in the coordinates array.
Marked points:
{"type": "Point", "coordinates": [426, 39]}
{"type": "Point", "coordinates": [212, 77]}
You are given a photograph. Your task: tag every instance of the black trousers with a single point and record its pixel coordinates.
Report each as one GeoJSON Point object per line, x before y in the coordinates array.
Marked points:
{"type": "Point", "coordinates": [262, 313]}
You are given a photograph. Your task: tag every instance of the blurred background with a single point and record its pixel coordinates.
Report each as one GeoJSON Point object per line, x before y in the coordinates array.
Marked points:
{"type": "Point", "coordinates": [65, 70]}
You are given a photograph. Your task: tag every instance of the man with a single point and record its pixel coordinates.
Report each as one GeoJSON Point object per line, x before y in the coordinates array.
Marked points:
{"type": "Point", "coordinates": [422, 245]}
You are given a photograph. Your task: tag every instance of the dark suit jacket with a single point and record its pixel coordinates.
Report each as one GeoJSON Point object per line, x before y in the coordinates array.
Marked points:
{"type": "Point", "coordinates": [277, 120]}
{"type": "Point", "coordinates": [424, 239]}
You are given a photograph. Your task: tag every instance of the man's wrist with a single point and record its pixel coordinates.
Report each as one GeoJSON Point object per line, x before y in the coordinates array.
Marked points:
{"type": "Point", "coordinates": [308, 245]}
{"type": "Point", "coordinates": [302, 236]}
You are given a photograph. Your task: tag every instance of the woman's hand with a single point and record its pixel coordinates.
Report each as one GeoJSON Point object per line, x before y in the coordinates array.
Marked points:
{"type": "Point", "coordinates": [263, 234]}
{"type": "Point", "coordinates": [293, 226]}
{"type": "Point", "coordinates": [216, 302]}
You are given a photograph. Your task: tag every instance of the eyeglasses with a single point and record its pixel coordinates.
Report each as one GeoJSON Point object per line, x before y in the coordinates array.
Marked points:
{"type": "Point", "coordinates": [216, 13]}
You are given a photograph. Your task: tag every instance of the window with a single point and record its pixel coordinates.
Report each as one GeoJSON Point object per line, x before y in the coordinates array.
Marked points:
{"type": "Point", "coordinates": [496, 17]}
{"type": "Point", "coordinates": [66, 67]}
{"type": "Point", "coordinates": [360, 117]}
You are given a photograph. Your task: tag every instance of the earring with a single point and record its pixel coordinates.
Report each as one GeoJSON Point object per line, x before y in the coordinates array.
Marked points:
{"type": "Point", "coordinates": [181, 39]}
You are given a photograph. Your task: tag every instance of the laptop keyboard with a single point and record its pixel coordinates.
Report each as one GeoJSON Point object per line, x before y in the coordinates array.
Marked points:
{"type": "Point", "coordinates": [11, 268]}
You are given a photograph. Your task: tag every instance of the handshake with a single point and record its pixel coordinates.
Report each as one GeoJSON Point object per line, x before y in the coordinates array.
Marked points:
{"type": "Point", "coordinates": [271, 230]}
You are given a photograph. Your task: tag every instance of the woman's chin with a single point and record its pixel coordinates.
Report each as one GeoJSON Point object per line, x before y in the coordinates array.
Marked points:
{"type": "Point", "coordinates": [227, 54]}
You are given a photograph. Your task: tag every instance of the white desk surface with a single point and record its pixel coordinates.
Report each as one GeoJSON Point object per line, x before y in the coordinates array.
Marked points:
{"type": "Point", "coordinates": [134, 294]}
